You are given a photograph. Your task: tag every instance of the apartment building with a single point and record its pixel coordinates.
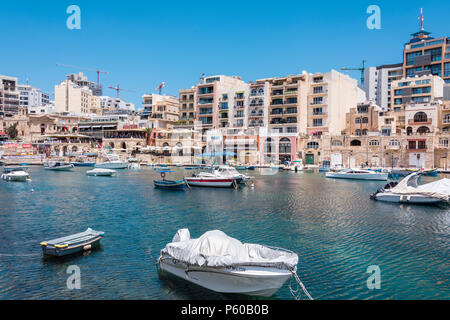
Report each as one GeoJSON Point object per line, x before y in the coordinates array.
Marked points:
{"type": "Point", "coordinates": [330, 97]}
{"type": "Point", "coordinates": [411, 91]}
{"type": "Point", "coordinates": [9, 96]}
{"type": "Point", "coordinates": [160, 111]}
{"type": "Point", "coordinates": [187, 108]}
{"type": "Point", "coordinates": [32, 97]}
{"type": "Point", "coordinates": [363, 120]}
{"type": "Point", "coordinates": [221, 102]}
{"type": "Point", "coordinates": [116, 106]}
{"type": "Point", "coordinates": [70, 98]}
{"type": "Point", "coordinates": [82, 81]}
{"type": "Point", "coordinates": [424, 54]}
{"type": "Point", "coordinates": [377, 83]}
{"type": "Point", "coordinates": [258, 104]}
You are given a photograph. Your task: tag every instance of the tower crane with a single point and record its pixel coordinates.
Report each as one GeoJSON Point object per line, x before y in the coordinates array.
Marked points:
{"type": "Point", "coordinates": [98, 71]}
{"type": "Point", "coordinates": [118, 89]}
{"type": "Point", "coordinates": [362, 69]}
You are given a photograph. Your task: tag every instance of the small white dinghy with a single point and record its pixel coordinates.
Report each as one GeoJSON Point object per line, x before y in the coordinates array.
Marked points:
{"type": "Point", "coordinates": [223, 264]}
{"type": "Point", "coordinates": [409, 191]}
{"type": "Point", "coordinates": [101, 172]}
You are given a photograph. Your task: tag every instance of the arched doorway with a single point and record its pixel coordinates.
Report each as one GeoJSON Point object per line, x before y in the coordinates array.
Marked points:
{"type": "Point", "coordinates": [285, 149]}
{"type": "Point", "coordinates": [355, 143]}
{"type": "Point", "coordinates": [123, 145]}
{"type": "Point", "coordinates": [409, 131]}
{"type": "Point", "coordinates": [42, 129]}
{"type": "Point", "coordinates": [420, 117]}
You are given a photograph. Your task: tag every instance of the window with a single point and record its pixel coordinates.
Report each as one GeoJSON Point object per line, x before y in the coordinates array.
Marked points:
{"type": "Point", "coordinates": [447, 68]}
{"type": "Point", "coordinates": [312, 145]}
{"type": "Point", "coordinates": [355, 143]}
{"type": "Point", "coordinates": [317, 122]}
{"type": "Point", "coordinates": [374, 143]}
{"type": "Point", "coordinates": [420, 117]}
{"type": "Point", "coordinates": [394, 143]}
{"type": "Point", "coordinates": [443, 142]}
{"type": "Point", "coordinates": [365, 120]}
{"type": "Point", "coordinates": [358, 120]}
{"type": "Point", "coordinates": [411, 57]}
{"type": "Point", "coordinates": [336, 143]}
{"type": "Point", "coordinates": [285, 146]}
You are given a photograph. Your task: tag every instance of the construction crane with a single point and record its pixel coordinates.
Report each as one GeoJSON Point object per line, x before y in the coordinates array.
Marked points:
{"type": "Point", "coordinates": [362, 69]}
{"type": "Point", "coordinates": [85, 69]}
{"type": "Point", "coordinates": [118, 90]}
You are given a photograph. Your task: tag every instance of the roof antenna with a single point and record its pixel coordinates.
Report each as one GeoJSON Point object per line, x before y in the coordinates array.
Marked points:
{"type": "Point", "coordinates": [421, 19]}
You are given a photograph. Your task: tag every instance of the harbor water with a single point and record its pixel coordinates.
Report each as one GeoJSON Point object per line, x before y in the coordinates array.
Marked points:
{"type": "Point", "coordinates": [333, 225]}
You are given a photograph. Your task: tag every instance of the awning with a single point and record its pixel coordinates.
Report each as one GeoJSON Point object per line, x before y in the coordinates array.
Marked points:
{"type": "Point", "coordinates": [84, 127]}
{"type": "Point", "coordinates": [109, 126]}
{"type": "Point", "coordinates": [240, 141]}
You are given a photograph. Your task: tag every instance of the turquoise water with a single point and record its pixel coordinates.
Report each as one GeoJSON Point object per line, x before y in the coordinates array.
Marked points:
{"type": "Point", "coordinates": [334, 227]}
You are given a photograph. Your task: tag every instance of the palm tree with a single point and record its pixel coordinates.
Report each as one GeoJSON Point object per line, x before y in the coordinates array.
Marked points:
{"type": "Point", "coordinates": [12, 132]}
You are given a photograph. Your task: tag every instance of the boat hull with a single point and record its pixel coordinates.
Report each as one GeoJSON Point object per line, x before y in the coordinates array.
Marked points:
{"type": "Point", "coordinates": [413, 198]}
{"type": "Point", "coordinates": [101, 173]}
{"type": "Point", "coordinates": [15, 177]}
{"type": "Point", "coordinates": [212, 183]}
{"type": "Point", "coordinates": [170, 185]}
{"type": "Point", "coordinates": [83, 164]}
{"type": "Point", "coordinates": [358, 176]}
{"type": "Point", "coordinates": [248, 280]}
{"type": "Point", "coordinates": [60, 252]}
{"type": "Point", "coordinates": [112, 165]}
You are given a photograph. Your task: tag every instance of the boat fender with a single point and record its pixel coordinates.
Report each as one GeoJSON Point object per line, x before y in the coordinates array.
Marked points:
{"type": "Point", "coordinates": [163, 175]}
{"type": "Point", "coordinates": [87, 247]}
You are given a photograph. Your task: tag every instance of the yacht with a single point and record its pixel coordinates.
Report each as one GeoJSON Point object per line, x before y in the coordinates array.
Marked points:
{"type": "Point", "coordinates": [15, 174]}
{"type": "Point", "coordinates": [228, 171]}
{"type": "Point", "coordinates": [113, 162]}
{"type": "Point", "coordinates": [358, 174]}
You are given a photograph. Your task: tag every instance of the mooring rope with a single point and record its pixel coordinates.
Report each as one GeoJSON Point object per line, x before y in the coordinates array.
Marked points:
{"type": "Point", "coordinates": [296, 293]}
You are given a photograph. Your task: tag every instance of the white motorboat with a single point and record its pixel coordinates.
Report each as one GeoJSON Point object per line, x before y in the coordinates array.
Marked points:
{"type": "Point", "coordinates": [359, 174]}
{"type": "Point", "coordinates": [228, 171]}
{"type": "Point", "coordinates": [409, 191]}
{"type": "Point", "coordinates": [15, 174]}
{"type": "Point", "coordinates": [295, 166]}
{"type": "Point", "coordinates": [113, 162]}
{"type": "Point", "coordinates": [223, 264]}
{"type": "Point", "coordinates": [214, 180]}
{"type": "Point", "coordinates": [58, 166]}
{"type": "Point", "coordinates": [134, 164]}
{"type": "Point", "coordinates": [101, 172]}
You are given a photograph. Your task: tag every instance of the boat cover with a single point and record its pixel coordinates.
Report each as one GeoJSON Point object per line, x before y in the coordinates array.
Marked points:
{"type": "Point", "coordinates": [439, 189]}
{"type": "Point", "coordinates": [216, 249]}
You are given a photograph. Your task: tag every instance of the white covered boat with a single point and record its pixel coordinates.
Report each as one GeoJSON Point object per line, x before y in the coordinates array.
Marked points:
{"type": "Point", "coordinates": [359, 174]}
{"type": "Point", "coordinates": [15, 174]}
{"type": "Point", "coordinates": [101, 172]}
{"type": "Point", "coordinates": [409, 191]}
{"type": "Point", "coordinates": [113, 162]}
{"type": "Point", "coordinates": [223, 264]}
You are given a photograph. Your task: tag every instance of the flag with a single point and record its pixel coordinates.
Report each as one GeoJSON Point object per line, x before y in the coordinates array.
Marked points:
{"type": "Point", "coordinates": [162, 85]}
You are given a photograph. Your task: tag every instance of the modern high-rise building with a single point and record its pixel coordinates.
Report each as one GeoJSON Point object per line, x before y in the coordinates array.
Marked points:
{"type": "Point", "coordinates": [9, 96]}
{"type": "Point", "coordinates": [377, 83]}
{"type": "Point", "coordinates": [32, 97]}
{"type": "Point", "coordinates": [424, 54]}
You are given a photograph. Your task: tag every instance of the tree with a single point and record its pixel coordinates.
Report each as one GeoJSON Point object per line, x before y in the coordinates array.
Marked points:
{"type": "Point", "coordinates": [12, 131]}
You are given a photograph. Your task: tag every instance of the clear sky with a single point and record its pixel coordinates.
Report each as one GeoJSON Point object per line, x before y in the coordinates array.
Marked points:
{"type": "Point", "coordinates": [143, 43]}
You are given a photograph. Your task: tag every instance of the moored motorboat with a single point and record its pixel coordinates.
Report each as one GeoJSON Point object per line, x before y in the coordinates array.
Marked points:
{"type": "Point", "coordinates": [223, 264]}
{"type": "Point", "coordinates": [113, 162]}
{"type": "Point", "coordinates": [228, 171]}
{"type": "Point", "coordinates": [15, 174]}
{"type": "Point", "coordinates": [358, 174]}
{"type": "Point", "coordinates": [72, 244]}
{"type": "Point", "coordinates": [205, 179]}
{"type": "Point", "coordinates": [409, 191]}
{"type": "Point", "coordinates": [99, 172]}
{"type": "Point", "coordinates": [58, 166]}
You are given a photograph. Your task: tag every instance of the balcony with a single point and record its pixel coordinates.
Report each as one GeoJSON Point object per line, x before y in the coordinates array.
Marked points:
{"type": "Point", "coordinates": [421, 122]}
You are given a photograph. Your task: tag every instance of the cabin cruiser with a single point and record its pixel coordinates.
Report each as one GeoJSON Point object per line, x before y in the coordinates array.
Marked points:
{"type": "Point", "coordinates": [223, 264]}
{"type": "Point", "coordinates": [409, 191]}
{"type": "Point", "coordinates": [15, 174]}
{"type": "Point", "coordinates": [359, 174]}
{"type": "Point", "coordinates": [101, 172]}
{"type": "Point", "coordinates": [207, 179]}
{"type": "Point", "coordinates": [113, 162]}
{"type": "Point", "coordinates": [229, 171]}
{"type": "Point", "coordinates": [58, 166]}
{"type": "Point", "coordinates": [296, 166]}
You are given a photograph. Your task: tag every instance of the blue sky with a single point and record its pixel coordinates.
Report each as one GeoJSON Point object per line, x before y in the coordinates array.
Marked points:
{"type": "Point", "coordinates": [142, 43]}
